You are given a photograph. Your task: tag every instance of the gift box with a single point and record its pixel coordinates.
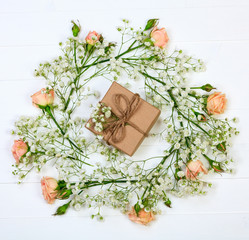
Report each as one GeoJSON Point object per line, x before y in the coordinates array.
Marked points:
{"type": "Point", "coordinates": [131, 119]}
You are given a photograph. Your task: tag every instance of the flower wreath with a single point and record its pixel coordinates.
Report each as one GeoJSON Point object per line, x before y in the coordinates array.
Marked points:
{"type": "Point", "coordinates": [196, 142]}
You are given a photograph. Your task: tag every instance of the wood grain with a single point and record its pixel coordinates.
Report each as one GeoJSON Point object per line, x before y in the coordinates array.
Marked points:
{"type": "Point", "coordinates": [215, 30]}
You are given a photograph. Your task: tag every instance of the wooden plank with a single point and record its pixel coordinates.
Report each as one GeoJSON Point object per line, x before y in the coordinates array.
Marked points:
{"type": "Point", "coordinates": [13, 6]}
{"type": "Point", "coordinates": [200, 24]}
{"type": "Point", "coordinates": [26, 200]}
{"type": "Point", "coordinates": [216, 3]}
{"type": "Point", "coordinates": [175, 227]}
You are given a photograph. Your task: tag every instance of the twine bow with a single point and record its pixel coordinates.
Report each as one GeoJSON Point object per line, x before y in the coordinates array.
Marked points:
{"type": "Point", "coordinates": [116, 130]}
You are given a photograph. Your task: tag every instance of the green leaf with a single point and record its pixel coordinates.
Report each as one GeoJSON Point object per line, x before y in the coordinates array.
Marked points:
{"type": "Point", "coordinates": [137, 208]}
{"type": "Point", "coordinates": [62, 209]}
{"type": "Point", "coordinates": [151, 43]}
{"type": "Point", "coordinates": [167, 202]}
{"type": "Point", "coordinates": [89, 47]}
{"type": "Point", "coordinates": [101, 39]}
{"type": "Point", "coordinates": [217, 168]}
{"type": "Point", "coordinates": [61, 184]}
{"type": "Point", "coordinates": [111, 44]}
{"type": "Point", "coordinates": [64, 194]}
{"type": "Point", "coordinates": [145, 202]}
{"type": "Point", "coordinates": [151, 23]}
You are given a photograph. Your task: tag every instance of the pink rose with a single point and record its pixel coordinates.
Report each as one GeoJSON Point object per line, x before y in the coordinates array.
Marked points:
{"type": "Point", "coordinates": [143, 217]}
{"type": "Point", "coordinates": [216, 103]}
{"type": "Point", "coordinates": [43, 98]}
{"type": "Point", "coordinates": [193, 168]}
{"type": "Point", "coordinates": [49, 191]}
{"type": "Point", "coordinates": [92, 37]}
{"type": "Point", "coordinates": [160, 37]}
{"type": "Point", "coordinates": [19, 148]}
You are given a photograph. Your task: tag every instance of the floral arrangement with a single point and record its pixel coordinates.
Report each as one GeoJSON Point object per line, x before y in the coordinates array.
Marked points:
{"type": "Point", "coordinates": [92, 174]}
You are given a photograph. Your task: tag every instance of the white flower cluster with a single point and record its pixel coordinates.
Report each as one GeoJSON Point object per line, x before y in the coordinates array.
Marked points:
{"type": "Point", "coordinates": [98, 175]}
{"type": "Point", "coordinates": [100, 116]}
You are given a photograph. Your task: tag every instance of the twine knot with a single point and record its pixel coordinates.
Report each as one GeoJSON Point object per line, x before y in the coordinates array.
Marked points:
{"type": "Point", "coordinates": [116, 130]}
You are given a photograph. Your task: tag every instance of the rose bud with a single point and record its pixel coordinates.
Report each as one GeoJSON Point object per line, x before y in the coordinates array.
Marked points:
{"type": "Point", "coordinates": [207, 87]}
{"type": "Point", "coordinates": [216, 103]}
{"type": "Point", "coordinates": [19, 149]}
{"type": "Point", "coordinates": [62, 209]}
{"type": "Point", "coordinates": [160, 37]}
{"type": "Point", "coordinates": [214, 164]}
{"type": "Point", "coordinates": [200, 117]}
{"type": "Point", "coordinates": [92, 38]}
{"type": "Point", "coordinates": [150, 24]}
{"type": "Point", "coordinates": [43, 98]}
{"type": "Point", "coordinates": [142, 217]}
{"type": "Point", "coordinates": [49, 191]}
{"type": "Point", "coordinates": [221, 147]}
{"type": "Point", "coordinates": [193, 168]}
{"type": "Point", "coordinates": [217, 167]}
{"type": "Point", "coordinates": [75, 29]}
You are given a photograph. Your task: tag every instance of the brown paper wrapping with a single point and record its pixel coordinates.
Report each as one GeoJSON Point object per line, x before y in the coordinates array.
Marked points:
{"type": "Point", "coordinates": [144, 117]}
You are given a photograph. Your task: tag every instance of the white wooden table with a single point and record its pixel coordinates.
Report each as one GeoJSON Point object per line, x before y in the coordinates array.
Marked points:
{"type": "Point", "coordinates": [215, 30]}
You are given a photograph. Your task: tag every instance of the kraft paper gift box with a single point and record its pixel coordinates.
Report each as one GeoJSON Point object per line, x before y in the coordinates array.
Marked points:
{"type": "Point", "coordinates": [134, 119]}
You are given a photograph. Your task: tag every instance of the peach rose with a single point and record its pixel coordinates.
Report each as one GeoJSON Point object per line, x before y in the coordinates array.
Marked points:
{"type": "Point", "coordinates": [143, 217]}
{"type": "Point", "coordinates": [216, 103]}
{"type": "Point", "coordinates": [160, 37]}
{"type": "Point", "coordinates": [193, 168]}
{"type": "Point", "coordinates": [43, 98]}
{"type": "Point", "coordinates": [19, 148]}
{"type": "Point", "coordinates": [92, 37]}
{"type": "Point", "coordinates": [48, 186]}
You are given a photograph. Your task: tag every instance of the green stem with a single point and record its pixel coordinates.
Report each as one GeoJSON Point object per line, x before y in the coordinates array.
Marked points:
{"type": "Point", "coordinates": [146, 84]}
{"type": "Point", "coordinates": [73, 89]}
{"type": "Point", "coordinates": [180, 113]}
{"type": "Point", "coordinates": [117, 57]}
{"type": "Point", "coordinates": [153, 78]}
{"type": "Point", "coordinates": [209, 159]}
{"type": "Point", "coordinates": [132, 44]}
{"type": "Point", "coordinates": [76, 159]}
{"type": "Point", "coordinates": [75, 61]}
{"type": "Point", "coordinates": [89, 55]}
{"type": "Point", "coordinates": [161, 163]}
{"type": "Point", "coordinates": [195, 88]}
{"type": "Point", "coordinates": [48, 110]}
{"type": "Point", "coordinates": [70, 157]}
{"type": "Point", "coordinates": [90, 184]}
{"type": "Point", "coordinates": [172, 98]}
{"type": "Point", "coordinates": [175, 103]}
{"type": "Point", "coordinates": [187, 140]}
{"type": "Point", "coordinates": [197, 125]}
{"type": "Point", "coordinates": [96, 63]}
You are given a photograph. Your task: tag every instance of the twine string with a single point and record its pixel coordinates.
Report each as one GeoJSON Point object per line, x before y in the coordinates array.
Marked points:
{"type": "Point", "coordinates": [116, 130]}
